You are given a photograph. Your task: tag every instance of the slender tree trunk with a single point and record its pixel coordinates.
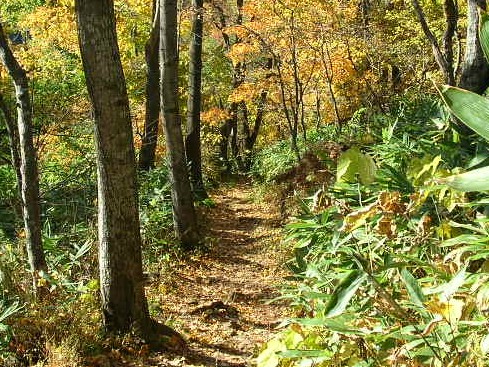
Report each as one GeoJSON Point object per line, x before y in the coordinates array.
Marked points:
{"type": "Point", "coordinates": [226, 127]}
{"type": "Point", "coordinates": [252, 135]}
{"type": "Point", "coordinates": [234, 130]}
{"type": "Point", "coordinates": [475, 69]}
{"type": "Point", "coordinates": [150, 137]}
{"type": "Point", "coordinates": [450, 9]}
{"type": "Point", "coordinates": [28, 161]}
{"type": "Point", "coordinates": [124, 304]}
{"type": "Point", "coordinates": [232, 124]}
{"type": "Point", "coordinates": [13, 135]}
{"type": "Point", "coordinates": [183, 209]}
{"type": "Point", "coordinates": [192, 141]}
{"type": "Point", "coordinates": [328, 70]}
{"type": "Point", "coordinates": [444, 60]}
{"type": "Point", "coordinates": [225, 131]}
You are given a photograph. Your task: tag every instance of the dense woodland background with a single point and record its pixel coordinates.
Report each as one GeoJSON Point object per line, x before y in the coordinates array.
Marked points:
{"type": "Point", "coordinates": [119, 120]}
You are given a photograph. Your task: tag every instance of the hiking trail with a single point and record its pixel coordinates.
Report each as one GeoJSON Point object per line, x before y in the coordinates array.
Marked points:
{"type": "Point", "coordinates": [218, 300]}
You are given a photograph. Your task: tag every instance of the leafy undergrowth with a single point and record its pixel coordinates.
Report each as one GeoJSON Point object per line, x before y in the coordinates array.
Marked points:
{"type": "Point", "coordinates": [376, 286]}
{"type": "Point", "coordinates": [390, 265]}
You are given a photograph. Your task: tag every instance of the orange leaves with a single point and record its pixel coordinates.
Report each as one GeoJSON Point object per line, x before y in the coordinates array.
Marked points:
{"type": "Point", "coordinates": [214, 116]}
{"type": "Point", "coordinates": [212, 119]}
{"type": "Point", "coordinates": [241, 51]}
{"type": "Point", "coordinates": [390, 202]}
{"type": "Point", "coordinates": [311, 49]}
{"type": "Point", "coordinates": [388, 205]}
{"type": "Point", "coordinates": [359, 217]}
{"type": "Point", "coordinates": [238, 31]}
{"type": "Point", "coordinates": [245, 92]}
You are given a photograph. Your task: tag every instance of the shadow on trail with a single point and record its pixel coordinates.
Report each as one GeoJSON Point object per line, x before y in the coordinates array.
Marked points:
{"type": "Point", "coordinates": [219, 299]}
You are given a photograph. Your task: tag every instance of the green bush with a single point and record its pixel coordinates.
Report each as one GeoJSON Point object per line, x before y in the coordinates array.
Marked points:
{"type": "Point", "coordinates": [395, 272]}
{"type": "Point", "coordinates": [9, 202]}
{"type": "Point", "coordinates": [155, 206]}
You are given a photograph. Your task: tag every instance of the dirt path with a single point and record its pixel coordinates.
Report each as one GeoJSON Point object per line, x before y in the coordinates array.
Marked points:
{"type": "Point", "coordinates": [218, 301]}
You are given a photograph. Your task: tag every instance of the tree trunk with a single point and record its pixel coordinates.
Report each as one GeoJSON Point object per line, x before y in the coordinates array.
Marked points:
{"type": "Point", "coordinates": [150, 137]}
{"type": "Point", "coordinates": [252, 135]}
{"type": "Point", "coordinates": [183, 209]}
{"type": "Point", "coordinates": [124, 304]}
{"type": "Point", "coordinates": [192, 141]}
{"type": "Point", "coordinates": [475, 69]}
{"type": "Point", "coordinates": [28, 161]}
{"type": "Point", "coordinates": [444, 60]}
{"type": "Point", "coordinates": [234, 109]}
{"type": "Point", "coordinates": [225, 132]}
{"type": "Point", "coordinates": [13, 136]}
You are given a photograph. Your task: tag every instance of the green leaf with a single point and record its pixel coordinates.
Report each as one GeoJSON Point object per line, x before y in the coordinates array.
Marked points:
{"type": "Point", "coordinates": [339, 325]}
{"type": "Point", "coordinates": [454, 284]}
{"type": "Point", "coordinates": [471, 108]}
{"type": "Point", "coordinates": [352, 163]}
{"type": "Point", "coordinates": [485, 344]}
{"type": "Point", "coordinates": [469, 227]}
{"type": "Point", "coordinates": [4, 328]}
{"type": "Point", "coordinates": [5, 313]}
{"type": "Point", "coordinates": [316, 295]}
{"type": "Point", "coordinates": [484, 34]}
{"type": "Point", "coordinates": [448, 289]}
{"type": "Point", "coordinates": [476, 180]}
{"type": "Point", "coordinates": [414, 290]}
{"type": "Point", "coordinates": [297, 353]}
{"type": "Point", "coordinates": [345, 292]}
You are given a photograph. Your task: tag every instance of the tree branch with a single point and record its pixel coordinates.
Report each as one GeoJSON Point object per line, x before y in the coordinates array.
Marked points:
{"type": "Point", "coordinates": [440, 57]}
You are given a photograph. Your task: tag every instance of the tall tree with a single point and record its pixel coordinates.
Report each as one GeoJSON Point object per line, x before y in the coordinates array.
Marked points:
{"type": "Point", "coordinates": [443, 53]}
{"type": "Point", "coordinates": [183, 208]}
{"type": "Point", "coordinates": [124, 303]}
{"type": "Point", "coordinates": [151, 120]}
{"type": "Point", "coordinates": [475, 69]}
{"type": "Point", "coordinates": [13, 135]}
{"type": "Point", "coordinates": [229, 129]}
{"type": "Point", "coordinates": [31, 207]}
{"type": "Point", "coordinates": [192, 141]}
{"type": "Point", "coordinates": [474, 74]}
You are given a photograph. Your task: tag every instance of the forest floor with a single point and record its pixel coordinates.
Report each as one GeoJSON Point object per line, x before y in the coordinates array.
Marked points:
{"type": "Point", "coordinates": [218, 301]}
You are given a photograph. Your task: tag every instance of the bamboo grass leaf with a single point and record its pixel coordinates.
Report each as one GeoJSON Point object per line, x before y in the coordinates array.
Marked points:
{"type": "Point", "coordinates": [471, 108]}
{"type": "Point", "coordinates": [484, 34]}
{"type": "Point", "coordinates": [414, 290]}
{"type": "Point", "coordinates": [345, 292]}
{"type": "Point", "coordinates": [475, 180]}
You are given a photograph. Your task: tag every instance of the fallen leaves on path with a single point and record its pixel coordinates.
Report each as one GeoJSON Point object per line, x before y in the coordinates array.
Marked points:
{"type": "Point", "coordinates": [218, 301]}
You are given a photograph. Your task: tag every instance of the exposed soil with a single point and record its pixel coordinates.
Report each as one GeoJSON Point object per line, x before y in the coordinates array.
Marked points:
{"type": "Point", "coordinates": [218, 301]}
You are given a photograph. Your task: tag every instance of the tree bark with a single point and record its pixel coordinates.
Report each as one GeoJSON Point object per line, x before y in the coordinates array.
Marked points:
{"type": "Point", "coordinates": [124, 304]}
{"type": "Point", "coordinates": [13, 135]}
{"type": "Point", "coordinates": [28, 161]}
{"type": "Point", "coordinates": [450, 9]}
{"type": "Point", "coordinates": [192, 141]}
{"type": "Point", "coordinates": [445, 63]}
{"type": "Point", "coordinates": [475, 69]}
{"type": "Point", "coordinates": [183, 208]}
{"type": "Point", "coordinates": [252, 134]}
{"type": "Point", "coordinates": [150, 136]}
{"type": "Point", "coordinates": [225, 130]}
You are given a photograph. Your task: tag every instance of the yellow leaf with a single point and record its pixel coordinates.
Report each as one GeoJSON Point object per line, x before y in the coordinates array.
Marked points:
{"type": "Point", "coordinates": [359, 217]}
{"type": "Point", "coordinates": [451, 310]}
